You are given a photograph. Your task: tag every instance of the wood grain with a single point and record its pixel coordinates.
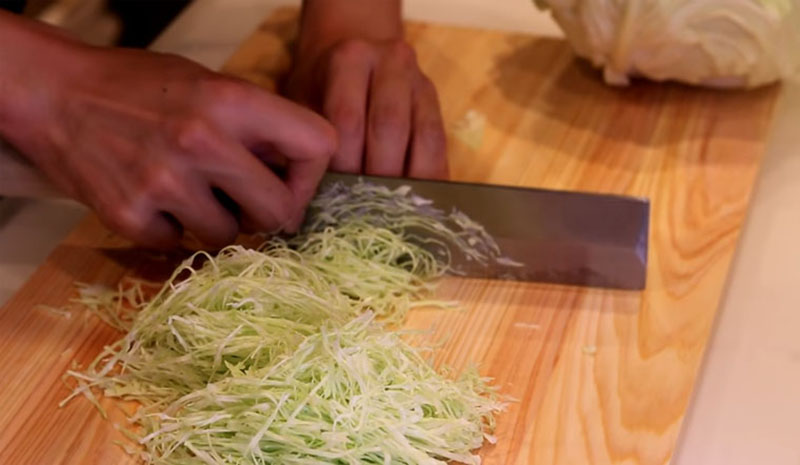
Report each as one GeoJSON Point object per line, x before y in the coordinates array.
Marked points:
{"type": "Point", "coordinates": [599, 376]}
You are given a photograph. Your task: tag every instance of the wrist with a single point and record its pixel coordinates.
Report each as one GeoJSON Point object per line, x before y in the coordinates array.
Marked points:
{"type": "Point", "coordinates": [31, 72]}
{"type": "Point", "coordinates": [325, 23]}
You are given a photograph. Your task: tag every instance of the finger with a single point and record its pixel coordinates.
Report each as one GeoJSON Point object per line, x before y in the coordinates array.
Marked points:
{"type": "Point", "coordinates": [428, 158]}
{"type": "Point", "coordinates": [294, 175]}
{"type": "Point", "coordinates": [161, 231]}
{"type": "Point", "coordinates": [304, 138]}
{"type": "Point", "coordinates": [303, 177]}
{"type": "Point", "coordinates": [202, 213]}
{"type": "Point", "coordinates": [345, 104]}
{"type": "Point", "coordinates": [261, 195]}
{"type": "Point", "coordinates": [389, 119]}
{"type": "Point", "coordinates": [133, 214]}
{"type": "Point", "coordinates": [148, 228]}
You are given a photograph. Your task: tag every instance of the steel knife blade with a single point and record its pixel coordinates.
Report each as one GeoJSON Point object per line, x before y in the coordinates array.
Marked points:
{"type": "Point", "coordinates": [563, 237]}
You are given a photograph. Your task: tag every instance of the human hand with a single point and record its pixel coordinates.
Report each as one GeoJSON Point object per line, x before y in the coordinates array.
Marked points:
{"type": "Point", "coordinates": [364, 78]}
{"type": "Point", "coordinates": [156, 144]}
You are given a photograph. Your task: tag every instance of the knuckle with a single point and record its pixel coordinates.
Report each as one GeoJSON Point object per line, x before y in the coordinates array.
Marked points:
{"type": "Point", "coordinates": [191, 134]}
{"type": "Point", "coordinates": [431, 135]}
{"type": "Point", "coordinates": [348, 118]}
{"type": "Point", "coordinates": [388, 118]}
{"type": "Point", "coordinates": [128, 220]}
{"type": "Point", "coordinates": [403, 52]}
{"type": "Point", "coordinates": [160, 183]}
{"type": "Point", "coordinates": [351, 50]}
{"type": "Point", "coordinates": [216, 88]}
{"type": "Point", "coordinates": [137, 220]}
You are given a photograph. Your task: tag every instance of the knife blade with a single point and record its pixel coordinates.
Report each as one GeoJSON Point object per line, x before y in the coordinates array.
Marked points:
{"type": "Point", "coordinates": [560, 237]}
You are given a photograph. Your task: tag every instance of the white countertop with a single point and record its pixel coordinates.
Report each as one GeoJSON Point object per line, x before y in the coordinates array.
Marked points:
{"type": "Point", "coordinates": [746, 408]}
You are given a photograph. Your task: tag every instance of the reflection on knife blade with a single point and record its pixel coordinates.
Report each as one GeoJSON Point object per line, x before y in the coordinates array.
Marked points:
{"type": "Point", "coordinates": [452, 236]}
{"type": "Point", "coordinates": [544, 235]}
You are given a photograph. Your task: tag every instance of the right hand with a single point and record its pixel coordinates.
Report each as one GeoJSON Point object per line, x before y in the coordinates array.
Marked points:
{"type": "Point", "coordinates": [153, 142]}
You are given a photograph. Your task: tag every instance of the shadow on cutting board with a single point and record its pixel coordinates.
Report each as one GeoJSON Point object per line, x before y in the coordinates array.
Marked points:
{"type": "Point", "coordinates": [534, 299]}
{"type": "Point", "coordinates": [140, 263]}
{"type": "Point", "coordinates": [648, 114]}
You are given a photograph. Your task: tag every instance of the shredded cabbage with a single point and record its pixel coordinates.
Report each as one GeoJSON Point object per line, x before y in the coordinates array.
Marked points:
{"type": "Point", "coordinates": [414, 218]}
{"type": "Point", "coordinates": [352, 394]}
{"type": "Point", "coordinates": [275, 355]}
{"type": "Point", "coordinates": [470, 129]}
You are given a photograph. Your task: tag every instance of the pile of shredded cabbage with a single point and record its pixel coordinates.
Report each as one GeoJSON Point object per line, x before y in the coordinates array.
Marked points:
{"type": "Point", "coordinates": [282, 355]}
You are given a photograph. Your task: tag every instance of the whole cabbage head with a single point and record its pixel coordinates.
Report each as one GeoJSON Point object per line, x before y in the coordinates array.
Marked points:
{"type": "Point", "coordinates": [718, 43]}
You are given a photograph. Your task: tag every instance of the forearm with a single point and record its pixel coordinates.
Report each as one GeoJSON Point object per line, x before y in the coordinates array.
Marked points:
{"type": "Point", "coordinates": [35, 58]}
{"type": "Point", "coordinates": [327, 22]}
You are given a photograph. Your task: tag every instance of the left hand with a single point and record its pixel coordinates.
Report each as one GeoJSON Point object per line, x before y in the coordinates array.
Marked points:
{"type": "Point", "coordinates": [385, 110]}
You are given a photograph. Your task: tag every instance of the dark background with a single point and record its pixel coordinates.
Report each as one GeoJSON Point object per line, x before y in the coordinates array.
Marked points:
{"type": "Point", "coordinates": [143, 21]}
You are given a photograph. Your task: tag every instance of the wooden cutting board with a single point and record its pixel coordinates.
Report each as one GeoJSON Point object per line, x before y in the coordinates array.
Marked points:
{"type": "Point", "coordinates": [600, 377]}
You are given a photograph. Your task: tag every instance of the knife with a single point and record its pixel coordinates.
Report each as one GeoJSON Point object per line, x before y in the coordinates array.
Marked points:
{"type": "Point", "coordinates": [553, 236]}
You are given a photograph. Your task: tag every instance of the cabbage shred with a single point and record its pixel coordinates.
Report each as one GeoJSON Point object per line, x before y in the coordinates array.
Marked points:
{"type": "Point", "coordinates": [284, 355]}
